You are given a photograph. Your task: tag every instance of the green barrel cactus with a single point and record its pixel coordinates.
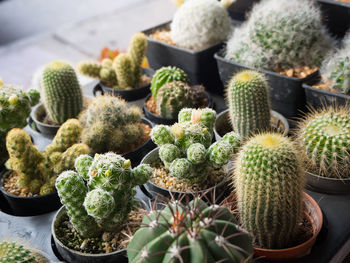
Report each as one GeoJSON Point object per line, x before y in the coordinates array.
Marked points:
{"type": "Point", "coordinates": [248, 103]}
{"type": "Point", "coordinates": [324, 137]}
{"type": "Point", "coordinates": [269, 179]}
{"type": "Point", "coordinates": [105, 203]}
{"type": "Point", "coordinates": [193, 233]}
{"type": "Point", "coordinates": [13, 252]}
{"type": "Point", "coordinates": [61, 92]}
{"type": "Point", "coordinates": [165, 75]}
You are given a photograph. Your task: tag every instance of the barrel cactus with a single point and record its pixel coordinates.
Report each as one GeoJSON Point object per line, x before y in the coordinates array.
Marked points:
{"type": "Point", "coordinates": [269, 180]}
{"type": "Point", "coordinates": [194, 232]}
{"type": "Point", "coordinates": [248, 103]}
{"type": "Point", "coordinates": [324, 137]}
{"type": "Point", "coordinates": [199, 24]}
{"type": "Point", "coordinates": [61, 92]}
{"type": "Point", "coordinates": [14, 252]}
{"type": "Point", "coordinates": [281, 34]}
{"type": "Point", "coordinates": [105, 203]}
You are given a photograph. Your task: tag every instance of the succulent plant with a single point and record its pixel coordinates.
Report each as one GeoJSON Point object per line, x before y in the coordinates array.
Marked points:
{"type": "Point", "coordinates": [194, 232]}
{"type": "Point", "coordinates": [104, 205]}
{"type": "Point", "coordinates": [90, 68]}
{"type": "Point", "coordinates": [165, 75]}
{"type": "Point", "coordinates": [269, 180]}
{"type": "Point", "coordinates": [199, 24]}
{"type": "Point", "coordinates": [280, 34]}
{"type": "Point", "coordinates": [110, 125]}
{"type": "Point", "coordinates": [324, 137]}
{"type": "Point", "coordinates": [61, 92]}
{"type": "Point", "coordinates": [248, 103]}
{"type": "Point", "coordinates": [13, 252]}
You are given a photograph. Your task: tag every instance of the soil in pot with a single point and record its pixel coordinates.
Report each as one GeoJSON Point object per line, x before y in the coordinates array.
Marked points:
{"type": "Point", "coordinates": [299, 72]}
{"type": "Point", "coordinates": [107, 243]}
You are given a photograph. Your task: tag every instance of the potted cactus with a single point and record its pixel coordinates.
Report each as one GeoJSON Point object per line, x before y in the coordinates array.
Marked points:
{"type": "Point", "coordinates": [11, 251]}
{"type": "Point", "coordinates": [194, 232]}
{"type": "Point", "coordinates": [186, 161]}
{"type": "Point", "coordinates": [28, 184]}
{"type": "Point", "coordinates": [323, 135]}
{"type": "Point", "coordinates": [189, 42]}
{"type": "Point", "coordinates": [99, 206]}
{"type": "Point", "coordinates": [109, 124]}
{"type": "Point", "coordinates": [248, 107]}
{"type": "Point", "coordinates": [61, 95]}
{"type": "Point", "coordinates": [286, 41]}
{"type": "Point", "coordinates": [170, 93]}
{"type": "Point", "coordinates": [334, 87]}
{"type": "Point", "coordinates": [123, 76]}
{"type": "Point", "coordinates": [269, 180]}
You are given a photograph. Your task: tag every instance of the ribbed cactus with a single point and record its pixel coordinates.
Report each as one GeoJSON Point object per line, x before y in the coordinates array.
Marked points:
{"type": "Point", "coordinates": [110, 125]}
{"type": "Point", "coordinates": [269, 180]}
{"type": "Point", "coordinates": [280, 34]}
{"type": "Point", "coordinates": [324, 137]}
{"type": "Point", "coordinates": [165, 75]}
{"type": "Point", "coordinates": [199, 24]}
{"type": "Point", "coordinates": [248, 103]}
{"type": "Point", "coordinates": [171, 98]}
{"type": "Point", "coordinates": [105, 203]}
{"type": "Point", "coordinates": [61, 92]}
{"type": "Point", "coordinates": [194, 232]}
{"type": "Point", "coordinates": [13, 252]}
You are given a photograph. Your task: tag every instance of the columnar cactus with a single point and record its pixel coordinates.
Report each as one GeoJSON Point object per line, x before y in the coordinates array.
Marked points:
{"type": "Point", "coordinates": [194, 232]}
{"type": "Point", "coordinates": [124, 69]}
{"type": "Point", "coordinates": [165, 75]}
{"type": "Point", "coordinates": [110, 125]}
{"type": "Point", "coordinates": [324, 137]}
{"type": "Point", "coordinates": [280, 34]}
{"type": "Point", "coordinates": [61, 92]}
{"type": "Point", "coordinates": [15, 252]}
{"type": "Point", "coordinates": [248, 103]}
{"type": "Point", "coordinates": [199, 24]}
{"type": "Point", "coordinates": [137, 50]}
{"type": "Point", "coordinates": [104, 205]}
{"type": "Point", "coordinates": [269, 180]}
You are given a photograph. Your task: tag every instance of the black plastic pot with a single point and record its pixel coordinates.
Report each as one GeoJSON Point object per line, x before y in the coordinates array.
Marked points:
{"type": "Point", "coordinates": [336, 16]}
{"type": "Point", "coordinates": [128, 95]}
{"type": "Point", "coordinates": [200, 66]}
{"type": "Point", "coordinates": [327, 185]}
{"type": "Point", "coordinates": [318, 97]}
{"type": "Point", "coordinates": [286, 93]}
{"type": "Point", "coordinates": [46, 129]}
{"type": "Point", "coordinates": [29, 206]}
{"type": "Point", "coordinates": [156, 119]}
{"type": "Point", "coordinates": [240, 8]}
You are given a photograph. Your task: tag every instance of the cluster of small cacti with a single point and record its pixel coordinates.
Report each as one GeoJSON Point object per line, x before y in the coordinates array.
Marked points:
{"type": "Point", "coordinates": [124, 71]}
{"type": "Point", "coordinates": [194, 232]}
{"type": "Point", "coordinates": [324, 137]}
{"type": "Point", "coordinates": [280, 34]}
{"type": "Point", "coordinates": [199, 24]}
{"type": "Point", "coordinates": [61, 92]}
{"type": "Point", "coordinates": [185, 147]}
{"type": "Point", "coordinates": [109, 124]}
{"type": "Point", "coordinates": [13, 252]}
{"type": "Point", "coordinates": [104, 205]}
{"type": "Point", "coordinates": [269, 180]}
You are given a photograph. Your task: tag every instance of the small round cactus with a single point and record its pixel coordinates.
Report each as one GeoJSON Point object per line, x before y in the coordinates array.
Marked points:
{"type": "Point", "coordinates": [13, 252]}
{"type": "Point", "coordinates": [168, 153]}
{"type": "Point", "coordinates": [196, 153]}
{"type": "Point", "coordinates": [99, 203]}
{"type": "Point", "coordinates": [161, 134]}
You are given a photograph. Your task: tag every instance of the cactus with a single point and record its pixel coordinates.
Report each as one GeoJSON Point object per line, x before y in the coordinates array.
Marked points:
{"type": "Point", "coordinates": [13, 252]}
{"type": "Point", "coordinates": [324, 137]}
{"type": "Point", "coordinates": [165, 75]}
{"type": "Point", "coordinates": [269, 180]}
{"type": "Point", "coordinates": [171, 98]}
{"type": "Point", "coordinates": [110, 125]}
{"type": "Point", "coordinates": [123, 67]}
{"type": "Point", "coordinates": [104, 205]}
{"type": "Point", "coordinates": [90, 68]}
{"type": "Point", "coordinates": [199, 24]}
{"type": "Point", "coordinates": [137, 51]}
{"type": "Point", "coordinates": [194, 232]}
{"type": "Point", "coordinates": [281, 34]}
{"type": "Point", "coordinates": [61, 92]}
{"type": "Point", "coordinates": [248, 103]}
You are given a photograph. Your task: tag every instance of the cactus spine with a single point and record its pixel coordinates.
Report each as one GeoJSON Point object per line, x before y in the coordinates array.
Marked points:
{"type": "Point", "coordinates": [61, 92]}
{"type": "Point", "coordinates": [269, 182]}
{"type": "Point", "coordinates": [248, 103]}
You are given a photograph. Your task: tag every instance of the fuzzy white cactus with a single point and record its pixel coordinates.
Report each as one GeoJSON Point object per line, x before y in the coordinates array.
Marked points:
{"type": "Point", "coordinates": [199, 24]}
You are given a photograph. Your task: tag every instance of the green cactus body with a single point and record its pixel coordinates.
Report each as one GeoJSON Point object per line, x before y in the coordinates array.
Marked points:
{"type": "Point", "coordinates": [205, 116]}
{"type": "Point", "coordinates": [196, 153]}
{"type": "Point", "coordinates": [108, 76]}
{"type": "Point", "coordinates": [269, 181]}
{"type": "Point", "coordinates": [162, 134]}
{"type": "Point", "coordinates": [62, 95]}
{"type": "Point", "coordinates": [123, 67]}
{"type": "Point", "coordinates": [248, 103]}
{"type": "Point", "coordinates": [137, 51]}
{"type": "Point", "coordinates": [83, 165]}
{"type": "Point", "coordinates": [190, 133]}
{"type": "Point", "coordinates": [168, 153]}
{"type": "Point", "coordinates": [165, 75]}
{"type": "Point", "coordinates": [190, 233]}
{"type": "Point", "coordinates": [171, 98]}
{"type": "Point", "coordinates": [324, 137]}
{"type": "Point", "coordinates": [13, 252]}
{"type": "Point", "coordinates": [89, 68]}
